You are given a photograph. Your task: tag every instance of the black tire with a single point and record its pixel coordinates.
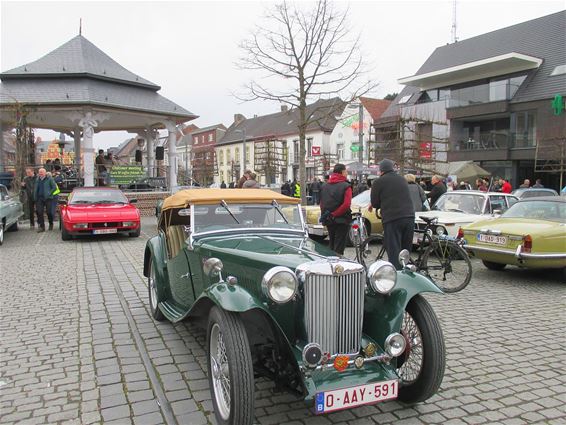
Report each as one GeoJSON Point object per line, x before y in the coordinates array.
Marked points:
{"type": "Point", "coordinates": [493, 266]}
{"type": "Point", "coordinates": [135, 233]}
{"type": "Point", "coordinates": [13, 227]}
{"type": "Point", "coordinates": [421, 367]}
{"type": "Point", "coordinates": [65, 235]}
{"type": "Point", "coordinates": [227, 330]}
{"type": "Point", "coordinates": [447, 265]}
{"type": "Point", "coordinates": [153, 294]}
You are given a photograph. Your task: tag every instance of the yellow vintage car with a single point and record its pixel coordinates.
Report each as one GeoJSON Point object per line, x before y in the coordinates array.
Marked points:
{"type": "Point", "coordinates": [360, 202]}
{"type": "Point", "coordinates": [530, 234]}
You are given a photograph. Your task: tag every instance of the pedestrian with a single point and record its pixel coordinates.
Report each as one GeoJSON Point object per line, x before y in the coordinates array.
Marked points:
{"type": "Point", "coordinates": [481, 185]}
{"type": "Point", "coordinates": [505, 186]}
{"type": "Point", "coordinates": [315, 190]}
{"type": "Point", "coordinates": [538, 183]}
{"type": "Point", "coordinates": [363, 186]}
{"type": "Point", "coordinates": [390, 196]}
{"type": "Point", "coordinates": [335, 201]}
{"type": "Point", "coordinates": [100, 162]}
{"type": "Point", "coordinates": [438, 189]}
{"type": "Point", "coordinates": [251, 182]}
{"type": "Point", "coordinates": [243, 179]}
{"type": "Point", "coordinates": [286, 188]}
{"type": "Point", "coordinates": [296, 189]}
{"type": "Point", "coordinates": [58, 179]}
{"type": "Point", "coordinates": [232, 185]}
{"type": "Point", "coordinates": [43, 196]}
{"type": "Point", "coordinates": [496, 186]}
{"type": "Point", "coordinates": [28, 186]}
{"type": "Point", "coordinates": [526, 184]}
{"type": "Point", "coordinates": [418, 196]}
{"type": "Point", "coordinates": [223, 185]}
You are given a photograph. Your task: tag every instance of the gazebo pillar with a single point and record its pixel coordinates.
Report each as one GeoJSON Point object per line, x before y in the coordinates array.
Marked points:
{"type": "Point", "coordinates": [88, 124]}
{"type": "Point", "coordinates": [172, 148]}
{"type": "Point", "coordinates": [77, 137]}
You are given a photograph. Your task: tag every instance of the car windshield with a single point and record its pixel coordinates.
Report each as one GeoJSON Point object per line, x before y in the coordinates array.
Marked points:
{"type": "Point", "coordinates": [97, 196]}
{"type": "Point", "coordinates": [541, 210]}
{"type": "Point", "coordinates": [362, 199]}
{"type": "Point", "coordinates": [223, 216]}
{"type": "Point", "coordinates": [467, 203]}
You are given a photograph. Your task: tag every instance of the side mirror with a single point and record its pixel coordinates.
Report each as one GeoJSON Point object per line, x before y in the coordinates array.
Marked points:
{"type": "Point", "coordinates": [133, 201]}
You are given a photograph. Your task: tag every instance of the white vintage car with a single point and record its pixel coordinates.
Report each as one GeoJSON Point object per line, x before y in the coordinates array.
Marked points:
{"type": "Point", "coordinates": [458, 208]}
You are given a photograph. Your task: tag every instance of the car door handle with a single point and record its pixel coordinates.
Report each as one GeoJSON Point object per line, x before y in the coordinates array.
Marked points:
{"type": "Point", "coordinates": [186, 275]}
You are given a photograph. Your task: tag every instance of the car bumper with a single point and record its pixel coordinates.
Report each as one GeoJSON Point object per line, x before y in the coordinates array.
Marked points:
{"type": "Point", "coordinates": [317, 230]}
{"type": "Point", "coordinates": [518, 257]}
{"type": "Point", "coordinates": [112, 230]}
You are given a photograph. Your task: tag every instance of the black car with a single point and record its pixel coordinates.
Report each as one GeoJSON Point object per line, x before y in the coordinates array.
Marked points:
{"type": "Point", "coordinates": [148, 184]}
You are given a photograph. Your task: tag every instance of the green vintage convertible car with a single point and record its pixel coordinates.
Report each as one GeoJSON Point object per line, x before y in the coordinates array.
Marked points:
{"type": "Point", "coordinates": [282, 306]}
{"type": "Point", "coordinates": [530, 234]}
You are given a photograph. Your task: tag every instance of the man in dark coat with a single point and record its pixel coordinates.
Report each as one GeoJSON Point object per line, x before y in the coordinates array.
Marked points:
{"type": "Point", "coordinates": [43, 196]}
{"type": "Point", "coordinates": [28, 185]}
{"type": "Point", "coordinates": [335, 200]}
{"type": "Point", "coordinates": [390, 193]}
{"type": "Point", "coordinates": [438, 188]}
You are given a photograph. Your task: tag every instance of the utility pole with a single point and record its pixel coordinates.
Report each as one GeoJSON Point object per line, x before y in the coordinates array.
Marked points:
{"type": "Point", "coordinates": [361, 132]}
{"type": "Point", "coordinates": [454, 37]}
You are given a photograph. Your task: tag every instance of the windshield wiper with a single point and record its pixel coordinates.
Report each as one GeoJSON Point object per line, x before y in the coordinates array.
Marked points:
{"type": "Point", "coordinates": [223, 204]}
{"type": "Point", "coordinates": [108, 201]}
{"type": "Point", "coordinates": [456, 210]}
{"type": "Point", "coordinates": [80, 202]}
{"type": "Point", "coordinates": [276, 205]}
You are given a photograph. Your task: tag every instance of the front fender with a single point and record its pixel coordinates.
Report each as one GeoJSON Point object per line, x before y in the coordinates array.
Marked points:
{"type": "Point", "coordinates": [154, 252]}
{"type": "Point", "coordinates": [383, 315]}
{"type": "Point", "coordinates": [231, 298]}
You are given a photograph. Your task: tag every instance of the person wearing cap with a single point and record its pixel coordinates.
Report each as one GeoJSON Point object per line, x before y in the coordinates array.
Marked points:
{"type": "Point", "coordinates": [390, 194]}
{"type": "Point", "coordinates": [335, 200]}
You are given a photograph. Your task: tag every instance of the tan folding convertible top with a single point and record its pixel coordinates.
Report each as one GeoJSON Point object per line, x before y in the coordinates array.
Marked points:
{"type": "Point", "coordinates": [186, 197]}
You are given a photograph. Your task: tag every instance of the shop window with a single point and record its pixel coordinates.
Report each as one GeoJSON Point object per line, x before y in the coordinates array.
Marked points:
{"type": "Point", "coordinates": [525, 129]}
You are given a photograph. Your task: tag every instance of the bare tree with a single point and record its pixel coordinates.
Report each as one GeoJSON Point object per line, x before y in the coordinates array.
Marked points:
{"type": "Point", "coordinates": [302, 56]}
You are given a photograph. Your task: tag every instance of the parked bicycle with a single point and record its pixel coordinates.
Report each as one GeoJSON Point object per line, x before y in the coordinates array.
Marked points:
{"type": "Point", "coordinates": [440, 257]}
{"type": "Point", "coordinates": [358, 234]}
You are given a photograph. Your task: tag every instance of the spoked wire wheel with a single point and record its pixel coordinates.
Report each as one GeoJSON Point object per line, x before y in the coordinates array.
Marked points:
{"type": "Point", "coordinates": [410, 363]}
{"type": "Point", "coordinates": [448, 265]}
{"type": "Point", "coordinates": [220, 371]}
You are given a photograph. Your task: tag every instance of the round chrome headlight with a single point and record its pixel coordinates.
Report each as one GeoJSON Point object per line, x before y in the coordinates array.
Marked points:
{"type": "Point", "coordinates": [395, 345]}
{"type": "Point", "coordinates": [440, 230]}
{"type": "Point", "coordinates": [279, 284]}
{"type": "Point", "coordinates": [404, 257]}
{"type": "Point", "coordinates": [382, 276]}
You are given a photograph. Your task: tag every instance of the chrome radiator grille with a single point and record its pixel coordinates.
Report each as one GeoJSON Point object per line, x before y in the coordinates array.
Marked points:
{"type": "Point", "coordinates": [334, 308]}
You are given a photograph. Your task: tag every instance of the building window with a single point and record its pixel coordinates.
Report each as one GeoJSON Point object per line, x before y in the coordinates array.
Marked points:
{"type": "Point", "coordinates": [195, 140]}
{"type": "Point", "coordinates": [210, 138]}
{"type": "Point", "coordinates": [525, 129]}
{"type": "Point", "coordinates": [309, 146]}
{"type": "Point", "coordinates": [221, 157]}
{"type": "Point", "coordinates": [237, 156]}
{"type": "Point", "coordinates": [295, 151]}
{"type": "Point", "coordinates": [339, 151]}
{"type": "Point", "coordinates": [247, 154]}
{"type": "Point", "coordinates": [228, 156]}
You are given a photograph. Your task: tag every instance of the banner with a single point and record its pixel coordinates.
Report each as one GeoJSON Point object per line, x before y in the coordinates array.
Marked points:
{"type": "Point", "coordinates": [126, 174]}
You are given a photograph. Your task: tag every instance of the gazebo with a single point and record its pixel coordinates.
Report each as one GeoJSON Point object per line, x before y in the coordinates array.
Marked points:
{"type": "Point", "coordinates": [78, 89]}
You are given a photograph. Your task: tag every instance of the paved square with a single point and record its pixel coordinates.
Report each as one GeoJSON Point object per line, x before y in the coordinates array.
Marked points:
{"type": "Point", "coordinates": [78, 346]}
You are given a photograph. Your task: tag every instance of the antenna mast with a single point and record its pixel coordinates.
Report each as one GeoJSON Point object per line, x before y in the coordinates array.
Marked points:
{"type": "Point", "coordinates": [454, 19]}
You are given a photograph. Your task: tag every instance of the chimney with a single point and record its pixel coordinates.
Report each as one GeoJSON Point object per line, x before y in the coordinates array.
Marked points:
{"type": "Point", "coordinates": [238, 118]}
{"type": "Point", "coordinates": [284, 108]}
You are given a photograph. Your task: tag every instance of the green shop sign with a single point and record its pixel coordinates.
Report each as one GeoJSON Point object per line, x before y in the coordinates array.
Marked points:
{"type": "Point", "coordinates": [126, 174]}
{"type": "Point", "coordinates": [558, 104]}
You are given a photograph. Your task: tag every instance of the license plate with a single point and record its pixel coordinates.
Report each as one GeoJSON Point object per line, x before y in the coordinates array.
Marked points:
{"type": "Point", "coordinates": [104, 231]}
{"type": "Point", "coordinates": [499, 240]}
{"type": "Point", "coordinates": [346, 398]}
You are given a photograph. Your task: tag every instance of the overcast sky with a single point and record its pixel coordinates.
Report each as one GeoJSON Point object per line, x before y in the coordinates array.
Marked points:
{"type": "Point", "coordinates": [189, 47]}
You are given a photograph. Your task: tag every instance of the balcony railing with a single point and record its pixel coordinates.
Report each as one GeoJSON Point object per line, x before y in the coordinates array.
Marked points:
{"type": "Point", "coordinates": [490, 140]}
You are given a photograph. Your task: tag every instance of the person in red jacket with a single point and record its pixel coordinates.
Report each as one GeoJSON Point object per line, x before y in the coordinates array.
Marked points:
{"type": "Point", "coordinates": [505, 186]}
{"type": "Point", "coordinates": [335, 200]}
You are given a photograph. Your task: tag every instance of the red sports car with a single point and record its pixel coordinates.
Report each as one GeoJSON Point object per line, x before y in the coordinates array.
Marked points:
{"type": "Point", "coordinates": [98, 211]}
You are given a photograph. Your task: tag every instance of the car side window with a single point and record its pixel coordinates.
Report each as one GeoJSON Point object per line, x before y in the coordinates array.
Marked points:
{"type": "Point", "coordinates": [497, 202]}
{"type": "Point", "coordinates": [177, 229]}
{"type": "Point", "coordinates": [511, 201]}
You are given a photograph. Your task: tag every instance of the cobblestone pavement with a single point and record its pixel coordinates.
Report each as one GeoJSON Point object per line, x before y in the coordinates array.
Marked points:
{"type": "Point", "coordinates": [78, 346]}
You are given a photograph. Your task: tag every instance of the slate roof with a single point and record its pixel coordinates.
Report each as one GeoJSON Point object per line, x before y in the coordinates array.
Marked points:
{"type": "Point", "coordinates": [78, 57]}
{"type": "Point", "coordinates": [544, 38]}
{"type": "Point", "coordinates": [70, 91]}
{"type": "Point", "coordinates": [285, 123]}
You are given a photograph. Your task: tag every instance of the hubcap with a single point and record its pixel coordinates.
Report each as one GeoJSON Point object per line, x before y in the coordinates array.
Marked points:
{"type": "Point", "coordinates": [412, 359]}
{"type": "Point", "coordinates": [220, 371]}
{"type": "Point", "coordinates": [1, 233]}
{"type": "Point", "coordinates": [153, 289]}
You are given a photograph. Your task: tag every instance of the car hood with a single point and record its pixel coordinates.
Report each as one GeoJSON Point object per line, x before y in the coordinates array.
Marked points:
{"type": "Point", "coordinates": [262, 251]}
{"type": "Point", "coordinates": [115, 212]}
{"type": "Point", "coordinates": [451, 217]}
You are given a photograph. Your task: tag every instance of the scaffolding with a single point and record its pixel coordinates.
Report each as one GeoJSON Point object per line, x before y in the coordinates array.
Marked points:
{"type": "Point", "coordinates": [270, 158]}
{"type": "Point", "coordinates": [417, 146]}
{"type": "Point", "coordinates": [550, 156]}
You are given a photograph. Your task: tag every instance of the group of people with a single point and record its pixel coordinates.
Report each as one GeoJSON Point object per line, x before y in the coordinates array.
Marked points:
{"type": "Point", "coordinates": [103, 162]}
{"type": "Point", "coordinates": [41, 194]}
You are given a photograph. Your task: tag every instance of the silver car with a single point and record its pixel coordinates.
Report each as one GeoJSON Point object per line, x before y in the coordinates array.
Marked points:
{"type": "Point", "coordinates": [10, 211]}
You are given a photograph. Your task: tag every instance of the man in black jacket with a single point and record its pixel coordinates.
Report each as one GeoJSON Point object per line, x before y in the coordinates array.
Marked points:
{"type": "Point", "coordinates": [390, 193]}
{"type": "Point", "coordinates": [438, 189]}
{"type": "Point", "coordinates": [335, 200]}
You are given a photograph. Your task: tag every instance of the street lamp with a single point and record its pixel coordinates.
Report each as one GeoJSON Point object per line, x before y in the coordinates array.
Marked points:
{"type": "Point", "coordinates": [243, 131]}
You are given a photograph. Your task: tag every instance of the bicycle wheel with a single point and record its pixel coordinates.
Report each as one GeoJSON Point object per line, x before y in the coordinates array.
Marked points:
{"type": "Point", "coordinates": [447, 264]}
{"type": "Point", "coordinates": [369, 252]}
